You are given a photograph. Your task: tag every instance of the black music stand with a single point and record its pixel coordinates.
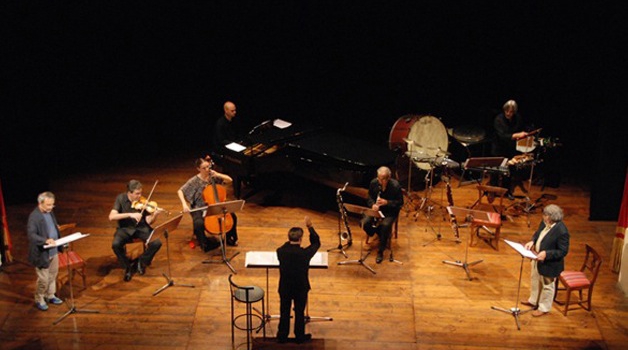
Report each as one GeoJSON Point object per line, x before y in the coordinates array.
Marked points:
{"type": "Point", "coordinates": [364, 211]}
{"type": "Point", "coordinates": [223, 208]}
{"type": "Point", "coordinates": [65, 242]}
{"type": "Point", "coordinates": [469, 215]}
{"type": "Point", "coordinates": [515, 311]}
{"type": "Point", "coordinates": [482, 164]}
{"type": "Point", "coordinates": [165, 229]}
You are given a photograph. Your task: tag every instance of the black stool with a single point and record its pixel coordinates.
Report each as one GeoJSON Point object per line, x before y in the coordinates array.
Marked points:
{"type": "Point", "coordinates": [247, 295]}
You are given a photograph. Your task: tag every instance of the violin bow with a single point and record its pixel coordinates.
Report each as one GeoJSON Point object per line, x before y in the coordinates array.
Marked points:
{"type": "Point", "coordinates": [148, 199]}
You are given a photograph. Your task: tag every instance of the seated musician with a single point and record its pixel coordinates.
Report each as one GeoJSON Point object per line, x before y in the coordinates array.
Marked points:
{"type": "Point", "coordinates": [384, 195]}
{"type": "Point", "coordinates": [133, 222]}
{"type": "Point", "coordinates": [508, 127]}
{"type": "Point", "coordinates": [227, 130]}
{"type": "Point", "coordinates": [191, 196]}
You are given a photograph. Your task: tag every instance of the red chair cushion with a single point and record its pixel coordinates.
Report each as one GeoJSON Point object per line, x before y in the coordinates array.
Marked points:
{"type": "Point", "coordinates": [574, 279]}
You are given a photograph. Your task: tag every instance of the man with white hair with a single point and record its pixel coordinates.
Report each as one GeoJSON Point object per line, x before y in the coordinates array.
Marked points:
{"type": "Point", "coordinates": [42, 229]}
{"type": "Point", "coordinates": [551, 244]}
{"type": "Point", "coordinates": [384, 195]}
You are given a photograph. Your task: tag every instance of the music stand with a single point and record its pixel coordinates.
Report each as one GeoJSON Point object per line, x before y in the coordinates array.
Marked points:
{"type": "Point", "coordinates": [65, 242]}
{"type": "Point", "coordinates": [357, 209]}
{"type": "Point", "coordinates": [223, 208]}
{"type": "Point", "coordinates": [165, 229]}
{"type": "Point", "coordinates": [469, 215]}
{"type": "Point", "coordinates": [515, 311]}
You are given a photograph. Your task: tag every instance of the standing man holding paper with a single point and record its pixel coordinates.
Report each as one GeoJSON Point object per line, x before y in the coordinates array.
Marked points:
{"type": "Point", "coordinates": [551, 244]}
{"type": "Point", "coordinates": [42, 229]}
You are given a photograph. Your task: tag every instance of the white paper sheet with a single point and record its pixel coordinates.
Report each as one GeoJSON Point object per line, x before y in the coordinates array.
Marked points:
{"type": "Point", "coordinates": [236, 147]}
{"type": "Point", "coordinates": [281, 124]}
{"type": "Point", "coordinates": [67, 239]}
{"type": "Point", "coordinates": [521, 249]}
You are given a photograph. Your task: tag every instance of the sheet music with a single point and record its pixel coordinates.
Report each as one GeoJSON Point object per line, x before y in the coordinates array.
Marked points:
{"type": "Point", "coordinates": [521, 249]}
{"type": "Point", "coordinates": [281, 124]}
{"type": "Point", "coordinates": [67, 239]}
{"type": "Point", "coordinates": [269, 259]}
{"type": "Point", "coordinates": [236, 147]}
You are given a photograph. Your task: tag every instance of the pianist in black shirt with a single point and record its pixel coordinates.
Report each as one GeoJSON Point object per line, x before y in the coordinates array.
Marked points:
{"type": "Point", "coordinates": [384, 195]}
{"type": "Point", "coordinates": [226, 129]}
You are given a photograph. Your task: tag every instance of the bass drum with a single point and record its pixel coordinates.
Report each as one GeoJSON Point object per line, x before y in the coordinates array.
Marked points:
{"type": "Point", "coordinates": [419, 139]}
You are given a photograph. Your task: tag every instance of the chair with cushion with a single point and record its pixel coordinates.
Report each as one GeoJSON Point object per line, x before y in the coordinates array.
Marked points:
{"type": "Point", "coordinates": [247, 295]}
{"type": "Point", "coordinates": [583, 279]}
{"type": "Point", "coordinates": [488, 230]}
{"type": "Point", "coordinates": [77, 264]}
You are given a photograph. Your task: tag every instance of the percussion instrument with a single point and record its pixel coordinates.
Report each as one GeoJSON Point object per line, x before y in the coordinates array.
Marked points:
{"type": "Point", "coordinates": [526, 144]}
{"type": "Point", "coordinates": [421, 138]}
{"type": "Point", "coordinates": [522, 160]}
{"type": "Point", "coordinates": [468, 134]}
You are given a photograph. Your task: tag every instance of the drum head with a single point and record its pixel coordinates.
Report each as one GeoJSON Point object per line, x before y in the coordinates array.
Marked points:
{"type": "Point", "coordinates": [526, 144]}
{"type": "Point", "coordinates": [430, 141]}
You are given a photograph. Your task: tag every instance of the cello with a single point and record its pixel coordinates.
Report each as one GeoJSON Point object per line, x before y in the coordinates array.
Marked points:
{"type": "Point", "coordinates": [215, 194]}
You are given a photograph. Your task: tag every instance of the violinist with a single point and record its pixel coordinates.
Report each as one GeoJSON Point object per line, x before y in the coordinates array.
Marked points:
{"type": "Point", "coordinates": [134, 217]}
{"type": "Point", "coordinates": [193, 201]}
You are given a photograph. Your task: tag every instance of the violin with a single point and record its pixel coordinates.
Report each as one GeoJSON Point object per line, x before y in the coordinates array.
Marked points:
{"type": "Point", "coordinates": [214, 194]}
{"type": "Point", "coordinates": [148, 206]}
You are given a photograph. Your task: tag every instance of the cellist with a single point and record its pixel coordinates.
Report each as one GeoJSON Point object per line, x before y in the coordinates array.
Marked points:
{"type": "Point", "coordinates": [192, 201]}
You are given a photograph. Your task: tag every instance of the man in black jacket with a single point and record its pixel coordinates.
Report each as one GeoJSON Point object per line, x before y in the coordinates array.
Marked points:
{"type": "Point", "coordinates": [384, 195]}
{"type": "Point", "coordinates": [294, 283]}
{"type": "Point", "coordinates": [551, 244]}
{"type": "Point", "coordinates": [42, 229]}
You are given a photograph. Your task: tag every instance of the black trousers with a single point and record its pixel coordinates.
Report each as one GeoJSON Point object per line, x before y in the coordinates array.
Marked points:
{"type": "Point", "coordinates": [121, 238]}
{"type": "Point", "coordinates": [383, 230]}
{"type": "Point", "coordinates": [286, 299]}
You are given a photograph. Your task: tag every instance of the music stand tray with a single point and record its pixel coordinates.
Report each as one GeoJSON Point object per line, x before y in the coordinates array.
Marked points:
{"type": "Point", "coordinates": [223, 208]}
{"type": "Point", "coordinates": [357, 209]}
{"type": "Point", "coordinates": [165, 229]}
{"type": "Point", "coordinates": [515, 311]}
{"type": "Point", "coordinates": [468, 215]}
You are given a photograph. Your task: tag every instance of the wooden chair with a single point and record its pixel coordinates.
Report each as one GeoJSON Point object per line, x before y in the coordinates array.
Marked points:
{"type": "Point", "coordinates": [134, 247]}
{"type": "Point", "coordinates": [488, 231]}
{"type": "Point", "coordinates": [77, 264]}
{"type": "Point", "coordinates": [583, 279]}
{"type": "Point", "coordinates": [393, 233]}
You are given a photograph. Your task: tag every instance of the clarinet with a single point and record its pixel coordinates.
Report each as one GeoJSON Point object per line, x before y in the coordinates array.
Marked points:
{"type": "Point", "coordinates": [343, 214]}
{"type": "Point", "coordinates": [452, 218]}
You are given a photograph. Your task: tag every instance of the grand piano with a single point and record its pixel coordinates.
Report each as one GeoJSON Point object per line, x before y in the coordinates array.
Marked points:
{"type": "Point", "coordinates": [308, 151]}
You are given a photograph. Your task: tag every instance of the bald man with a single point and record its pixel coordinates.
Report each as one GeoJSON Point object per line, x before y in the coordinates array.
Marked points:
{"type": "Point", "coordinates": [225, 130]}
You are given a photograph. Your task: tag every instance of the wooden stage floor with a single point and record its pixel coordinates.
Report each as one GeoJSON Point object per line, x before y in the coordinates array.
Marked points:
{"type": "Point", "coordinates": [420, 304]}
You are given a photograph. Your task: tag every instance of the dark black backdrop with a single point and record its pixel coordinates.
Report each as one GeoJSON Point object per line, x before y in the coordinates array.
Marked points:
{"type": "Point", "coordinates": [90, 85]}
